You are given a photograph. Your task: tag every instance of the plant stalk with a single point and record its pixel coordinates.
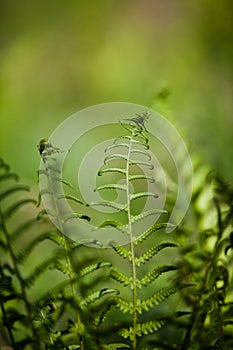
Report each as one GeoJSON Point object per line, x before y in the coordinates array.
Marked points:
{"type": "Point", "coordinates": [133, 266]}
{"type": "Point", "coordinates": [65, 246]}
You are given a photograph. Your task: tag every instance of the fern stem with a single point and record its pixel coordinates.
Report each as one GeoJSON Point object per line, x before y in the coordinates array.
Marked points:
{"type": "Point", "coordinates": [65, 244]}
{"type": "Point", "coordinates": [133, 265]}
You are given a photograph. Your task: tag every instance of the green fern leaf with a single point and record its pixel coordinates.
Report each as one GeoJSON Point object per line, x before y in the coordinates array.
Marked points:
{"type": "Point", "coordinates": [143, 142]}
{"type": "Point", "coordinates": [120, 277]}
{"type": "Point", "coordinates": [13, 189]}
{"type": "Point", "coordinates": [158, 297]}
{"type": "Point", "coordinates": [70, 216]}
{"type": "Point", "coordinates": [68, 196]}
{"type": "Point", "coordinates": [141, 177]}
{"type": "Point", "coordinates": [13, 208]}
{"type": "Point", "coordinates": [65, 182]}
{"type": "Point", "coordinates": [115, 156]}
{"type": "Point", "coordinates": [149, 303]}
{"type": "Point", "coordinates": [118, 206]}
{"type": "Point", "coordinates": [140, 162]}
{"type": "Point", "coordinates": [153, 251]}
{"type": "Point", "coordinates": [95, 296]}
{"type": "Point", "coordinates": [30, 280]}
{"type": "Point", "coordinates": [124, 306]}
{"type": "Point", "coordinates": [103, 310]}
{"type": "Point", "coordinates": [142, 194]}
{"type": "Point", "coordinates": [143, 329]}
{"type": "Point", "coordinates": [151, 230]}
{"type": "Point", "coordinates": [111, 223]}
{"type": "Point", "coordinates": [141, 152]}
{"type": "Point", "coordinates": [23, 254]}
{"type": "Point", "coordinates": [115, 145]}
{"type": "Point", "coordinates": [60, 266]}
{"type": "Point", "coordinates": [121, 251]}
{"type": "Point", "coordinates": [111, 170]}
{"type": "Point", "coordinates": [154, 274]}
{"type": "Point", "coordinates": [111, 186]}
{"type": "Point", "coordinates": [147, 213]}
{"type": "Point", "coordinates": [89, 269]}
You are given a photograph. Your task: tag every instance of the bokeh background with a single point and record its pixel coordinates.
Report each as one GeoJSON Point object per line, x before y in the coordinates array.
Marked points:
{"type": "Point", "coordinates": [57, 57]}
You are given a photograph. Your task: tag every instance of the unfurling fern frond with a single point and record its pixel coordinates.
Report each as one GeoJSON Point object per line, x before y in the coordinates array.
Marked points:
{"type": "Point", "coordinates": [87, 302]}
{"type": "Point", "coordinates": [125, 156]}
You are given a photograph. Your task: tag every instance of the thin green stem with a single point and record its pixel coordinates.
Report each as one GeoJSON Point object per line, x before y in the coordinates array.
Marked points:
{"type": "Point", "coordinates": [134, 272]}
{"type": "Point", "coordinates": [65, 241]}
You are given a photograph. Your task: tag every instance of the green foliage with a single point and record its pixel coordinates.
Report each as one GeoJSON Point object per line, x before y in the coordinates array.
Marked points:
{"type": "Point", "coordinates": [135, 155]}
{"type": "Point", "coordinates": [125, 296]}
{"type": "Point", "coordinates": [33, 322]}
{"type": "Point", "coordinates": [208, 265]}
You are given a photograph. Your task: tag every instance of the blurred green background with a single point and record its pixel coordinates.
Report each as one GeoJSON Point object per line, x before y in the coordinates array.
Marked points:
{"type": "Point", "coordinates": [58, 57]}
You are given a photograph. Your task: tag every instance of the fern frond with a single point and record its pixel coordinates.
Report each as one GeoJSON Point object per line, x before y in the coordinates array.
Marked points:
{"type": "Point", "coordinates": [154, 274]}
{"type": "Point", "coordinates": [68, 196]}
{"type": "Point", "coordinates": [111, 170]}
{"type": "Point", "coordinates": [151, 230]}
{"type": "Point", "coordinates": [124, 306]}
{"type": "Point", "coordinates": [141, 162]}
{"type": "Point", "coordinates": [143, 143]}
{"type": "Point", "coordinates": [145, 281]}
{"type": "Point", "coordinates": [22, 229]}
{"type": "Point", "coordinates": [89, 269]}
{"type": "Point", "coordinates": [112, 223]}
{"type": "Point", "coordinates": [141, 152]}
{"type": "Point", "coordinates": [110, 187]}
{"type": "Point", "coordinates": [157, 298]}
{"type": "Point", "coordinates": [143, 329]}
{"type": "Point", "coordinates": [12, 190]}
{"type": "Point", "coordinates": [138, 121]}
{"type": "Point", "coordinates": [118, 206]}
{"type": "Point", "coordinates": [95, 296]}
{"type": "Point", "coordinates": [14, 207]}
{"type": "Point", "coordinates": [103, 310]}
{"type": "Point", "coordinates": [70, 216]}
{"type": "Point", "coordinates": [25, 251]}
{"type": "Point", "coordinates": [121, 251]}
{"type": "Point", "coordinates": [115, 145]}
{"type": "Point", "coordinates": [30, 280]}
{"type": "Point", "coordinates": [149, 303]}
{"type": "Point", "coordinates": [120, 277]}
{"type": "Point", "coordinates": [142, 194]}
{"type": "Point", "coordinates": [143, 215]}
{"type": "Point", "coordinates": [65, 182]}
{"type": "Point", "coordinates": [153, 251]}
{"type": "Point", "coordinates": [114, 156]}
{"type": "Point", "coordinates": [141, 177]}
